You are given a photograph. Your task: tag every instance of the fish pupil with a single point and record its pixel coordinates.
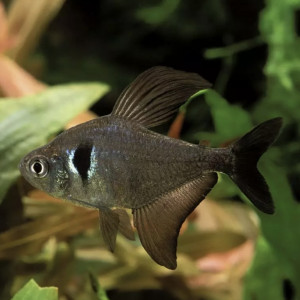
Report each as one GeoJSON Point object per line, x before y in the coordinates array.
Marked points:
{"type": "Point", "coordinates": [37, 167]}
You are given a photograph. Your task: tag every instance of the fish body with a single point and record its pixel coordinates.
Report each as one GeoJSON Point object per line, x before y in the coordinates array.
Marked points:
{"type": "Point", "coordinates": [110, 162]}
{"type": "Point", "coordinates": [116, 162]}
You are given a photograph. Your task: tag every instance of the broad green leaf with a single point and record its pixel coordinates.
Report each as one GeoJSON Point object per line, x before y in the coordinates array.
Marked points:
{"type": "Point", "coordinates": [279, 252]}
{"type": "Point", "coordinates": [280, 230]}
{"type": "Point", "coordinates": [31, 291]}
{"type": "Point", "coordinates": [230, 121]}
{"type": "Point", "coordinates": [266, 277]}
{"type": "Point", "coordinates": [26, 123]}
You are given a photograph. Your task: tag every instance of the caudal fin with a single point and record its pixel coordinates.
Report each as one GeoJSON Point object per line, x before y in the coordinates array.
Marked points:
{"type": "Point", "coordinates": [247, 152]}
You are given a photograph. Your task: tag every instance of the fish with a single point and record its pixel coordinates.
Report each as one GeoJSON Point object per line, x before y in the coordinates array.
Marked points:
{"type": "Point", "coordinates": [115, 162]}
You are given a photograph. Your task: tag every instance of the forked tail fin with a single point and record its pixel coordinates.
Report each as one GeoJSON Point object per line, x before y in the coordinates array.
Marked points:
{"type": "Point", "coordinates": [247, 152]}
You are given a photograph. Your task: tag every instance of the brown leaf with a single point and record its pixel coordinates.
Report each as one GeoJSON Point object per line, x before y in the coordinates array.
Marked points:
{"type": "Point", "coordinates": [176, 126]}
{"type": "Point", "coordinates": [15, 81]}
{"type": "Point", "coordinates": [3, 23]}
{"type": "Point", "coordinates": [28, 238]}
{"type": "Point", "coordinates": [220, 275]}
{"type": "Point", "coordinates": [7, 40]}
{"type": "Point", "coordinates": [27, 19]}
{"type": "Point", "coordinates": [81, 118]}
{"type": "Point", "coordinates": [198, 244]}
{"type": "Point", "coordinates": [3, 29]}
{"type": "Point", "coordinates": [214, 215]}
{"type": "Point", "coordinates": [238, 258]}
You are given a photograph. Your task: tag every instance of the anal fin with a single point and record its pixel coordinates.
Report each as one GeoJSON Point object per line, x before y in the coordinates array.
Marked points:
{"type": "Point", "coordinates": [159, 222]}
{"type": "Point", "coordinates": [125, 226]}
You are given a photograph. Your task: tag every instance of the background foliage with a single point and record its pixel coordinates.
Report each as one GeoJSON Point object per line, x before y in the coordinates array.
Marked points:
{"type": "Point", "coordinates": [249, 50]}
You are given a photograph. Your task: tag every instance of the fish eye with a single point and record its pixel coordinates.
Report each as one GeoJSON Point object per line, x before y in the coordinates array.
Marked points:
{"type": "Point", "coordinates": [39, 167]}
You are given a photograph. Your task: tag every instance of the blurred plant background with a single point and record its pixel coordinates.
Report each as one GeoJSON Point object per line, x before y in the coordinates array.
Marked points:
{"type": "Point", "coordinates": [249, 50]}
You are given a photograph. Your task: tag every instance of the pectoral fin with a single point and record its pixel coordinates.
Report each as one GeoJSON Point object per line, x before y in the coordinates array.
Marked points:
{"type": "Point", "coordinates": [109, 224]}
{"type": "Point", "coordinates": [156, 94]}
{"type": "Point", "coordinates": [158, 223]}
{"type": "Point", "coordinates": [125, 226]}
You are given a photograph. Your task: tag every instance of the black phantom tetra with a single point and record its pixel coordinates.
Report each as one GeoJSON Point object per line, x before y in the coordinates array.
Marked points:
{"type": "Point", "coordinates": [116, 162]}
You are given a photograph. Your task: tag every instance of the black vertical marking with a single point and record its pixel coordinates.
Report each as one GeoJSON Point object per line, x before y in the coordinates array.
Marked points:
{"type": "Point", "coordinates": [288, 290]}
{"type": "Point", "coordinates": [82, 160]}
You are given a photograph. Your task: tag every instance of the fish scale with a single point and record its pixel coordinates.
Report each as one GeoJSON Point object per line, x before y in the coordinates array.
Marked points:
{"type": "Point", "coordinates": [142, 161]}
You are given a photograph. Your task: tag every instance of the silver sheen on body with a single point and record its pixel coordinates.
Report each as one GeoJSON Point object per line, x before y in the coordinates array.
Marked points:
{"type": "Point", "coordinates": [116, 162]}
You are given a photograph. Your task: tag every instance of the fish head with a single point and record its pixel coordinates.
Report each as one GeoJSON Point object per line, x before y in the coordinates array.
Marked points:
{"type": "Point", "coordinates": [44, 169]}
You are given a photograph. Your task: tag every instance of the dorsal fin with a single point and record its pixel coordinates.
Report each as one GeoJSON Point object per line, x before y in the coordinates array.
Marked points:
{"type": "Point", "coordinates": [156, 94]}
{"type": "Point", "coordinates": [158, 223]}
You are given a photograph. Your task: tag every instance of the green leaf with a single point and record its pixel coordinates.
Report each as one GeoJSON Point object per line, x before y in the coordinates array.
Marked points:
{"type": "Point", "coordinates": [98, 290]}
{"type": "Point", "coordinates": [157, 14]}
{"type": "Point", "coordinates": [233, 49]}
{"type": "Point", "coordinates": [279, 252]}
{"type": "Point", "coordinates": [230, 121]}
{"type": "Point", "coordinates": [184, 107]}
{"type": "Point", "coordinates": [282, 234]}
{"type": "Point", "coordinates": [263, 284]}
{"type": "Point", "coordinates": [277, 25]}
{"type": "Point", "coordinates": [31, 291]}
{"type": "Point", "coordinates": [27, 123]}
